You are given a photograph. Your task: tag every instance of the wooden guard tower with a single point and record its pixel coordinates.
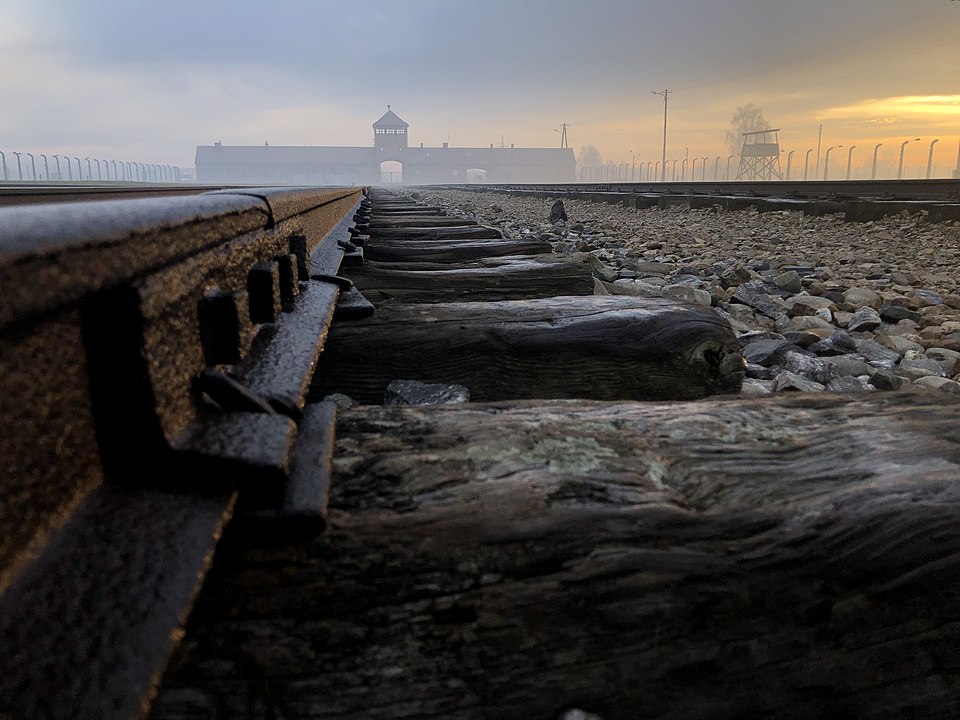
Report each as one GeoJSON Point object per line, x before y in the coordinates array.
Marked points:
{"type": "Point", "coordinates": [760, 156]}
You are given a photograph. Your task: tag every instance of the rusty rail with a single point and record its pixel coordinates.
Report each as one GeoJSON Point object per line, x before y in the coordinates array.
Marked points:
{"type": "Point", "coordinates": [155, 356]}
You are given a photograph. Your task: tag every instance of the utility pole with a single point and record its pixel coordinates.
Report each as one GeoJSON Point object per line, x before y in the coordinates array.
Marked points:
{"type": "Point", "coordinates": [819, 138]}
{"type": "Point", "coordinates": [873, 173]}
{"type": "Point", "coordinates": [930, 158]}
{"type": "Point", "coordinates": [563, 135]}
{"type": "Point", "coordinates": [666, 95]}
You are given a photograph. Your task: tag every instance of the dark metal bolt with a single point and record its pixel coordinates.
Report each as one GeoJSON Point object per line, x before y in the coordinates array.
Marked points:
{"type": "Point", "coordinates": [298, 247]}
{"type": "Point", "coordinates": [341, 282]}
{"type": "Point", "coordinates": [263, 285]}
{"type": "Point", "coordinates": [289, 278]}
{"type": "Point", "coordinates": [225, 329]}
{"type": "Point", "coordinates": [230, 395]}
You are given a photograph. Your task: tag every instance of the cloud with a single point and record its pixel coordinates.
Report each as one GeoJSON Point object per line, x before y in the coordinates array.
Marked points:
{"type": "Point", "coordinates": [873, 110]}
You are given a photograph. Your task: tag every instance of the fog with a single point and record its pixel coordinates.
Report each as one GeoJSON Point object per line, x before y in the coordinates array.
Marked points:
{"type": "Point", "coordinates": [149, 82]}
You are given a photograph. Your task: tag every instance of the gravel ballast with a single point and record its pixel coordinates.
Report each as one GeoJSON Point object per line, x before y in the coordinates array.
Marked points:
{"type": "Point", "coordinates": [847, 307]}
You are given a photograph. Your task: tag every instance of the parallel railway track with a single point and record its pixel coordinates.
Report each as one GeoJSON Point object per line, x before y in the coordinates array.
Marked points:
{"type": "Point", "coordinates": [940, 190]}
{"type": "Point", "coordinates": [858, 201]}
{"type": "Point", "coordinates": [166, 364]}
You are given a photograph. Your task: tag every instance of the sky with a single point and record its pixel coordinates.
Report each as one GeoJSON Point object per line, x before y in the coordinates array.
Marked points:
{"type": "Point", "coordinates": [148, 81]}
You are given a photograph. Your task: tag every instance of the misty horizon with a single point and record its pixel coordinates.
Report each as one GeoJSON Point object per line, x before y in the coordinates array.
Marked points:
{"type": "Point", "coordinates": [473, 75]}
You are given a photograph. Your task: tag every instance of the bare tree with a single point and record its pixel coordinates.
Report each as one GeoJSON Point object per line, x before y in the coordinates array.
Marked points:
{"type": "Point", "coordinates": [746, 118]}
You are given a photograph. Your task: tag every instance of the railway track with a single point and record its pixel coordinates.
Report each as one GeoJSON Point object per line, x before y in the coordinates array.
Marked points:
{"type": "Point", "coordinates": [859, 201]}
{"type": "Point", "coordinates": [171, 369]}
{"type": "Point", "coordinates": [939, 189]}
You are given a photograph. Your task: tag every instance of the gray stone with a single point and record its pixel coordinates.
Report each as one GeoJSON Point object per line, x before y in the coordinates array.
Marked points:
{"type": "Point", "coordinates": [924, 298]}
{"type": "Point", "coordinates": [805, 322]}
{"type": "Point", "coordinates": [789, 281]}
{"type": "Point", "coordinates": [850, 365]}
{"type": "Point", "coordinates": [932, 382]}
{"type": "Point", "coordinates": [414, 392]}
{"type": "Point", "coordinates": [694, 296]}
{"type": "Point", "coordinates": [654, 268]}
{"type": "Point", "coordinates": [947, 358]}
{"type": "Point", "coordinates": [865, 319]}
{"type": "Point", "coordinates": [604, 272]}
{"type": "Point", "coordinates": [557, 212]}
{"type": "Point", "coordinates": [790, 381]}
{"type": "Point", "coordinates": [895, 313]}
{"type": "Point", "coordinates": [646, 289]}
{"type": "Point", "coordinates": [897, 343]}
{"type": "Point", "coordinates": [806, 304]}
{"type": "Point", "coordinates": [754, 295]}
{"type": "Point", "coordinates": [951, 387]}
{"type": "Point", "coordinates": [624, 286]}
{"type": "Point", "coordinates": [839, 343]}
{"type": "Point", "coordinates": [811, 368]}
{"type": "Point", "coordinates": [886, 380]}
{"type": "Point", "coordinates": [635, 288]}
{"type": "Point", "coordinates": [752, 386]}
{"type": "Point", "coordinates": [343, 402]}
{"type": "Point", "coordinates": [920, 367]}
{"type": "Point", "coordinates": [849, 384]}
{"type": "Point", "coordinates": [803, 338]}
{"type": "Point", "coordinates": [759, 372]}
{"type": "Point", "coordinates": [738, 326]}
{"type": "Point", "coordinates": [687, 280]}
{"type": "Point", "coordinates": [842, 340]}
{"type": "Point", "coordinates": [877, 355]}
{"type": "Point", "coordinates": [757, 335]}
{"type": "Point", "coordinates": [862, 297]}
{"type": "Point", "coordinates": [767, 352]}
{"type": "Point", "coordinates": [733, 275]}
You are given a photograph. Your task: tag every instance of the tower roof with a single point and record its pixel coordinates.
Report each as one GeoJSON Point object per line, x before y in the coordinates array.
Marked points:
{"type": "Point", "coordinates": [390, 119]}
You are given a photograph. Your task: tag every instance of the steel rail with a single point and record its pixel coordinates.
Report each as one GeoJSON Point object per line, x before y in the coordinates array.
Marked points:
{"type": "Point", "coordinates": [155, 356]}
{"type": "Point", "coordinates": [30, 193]}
